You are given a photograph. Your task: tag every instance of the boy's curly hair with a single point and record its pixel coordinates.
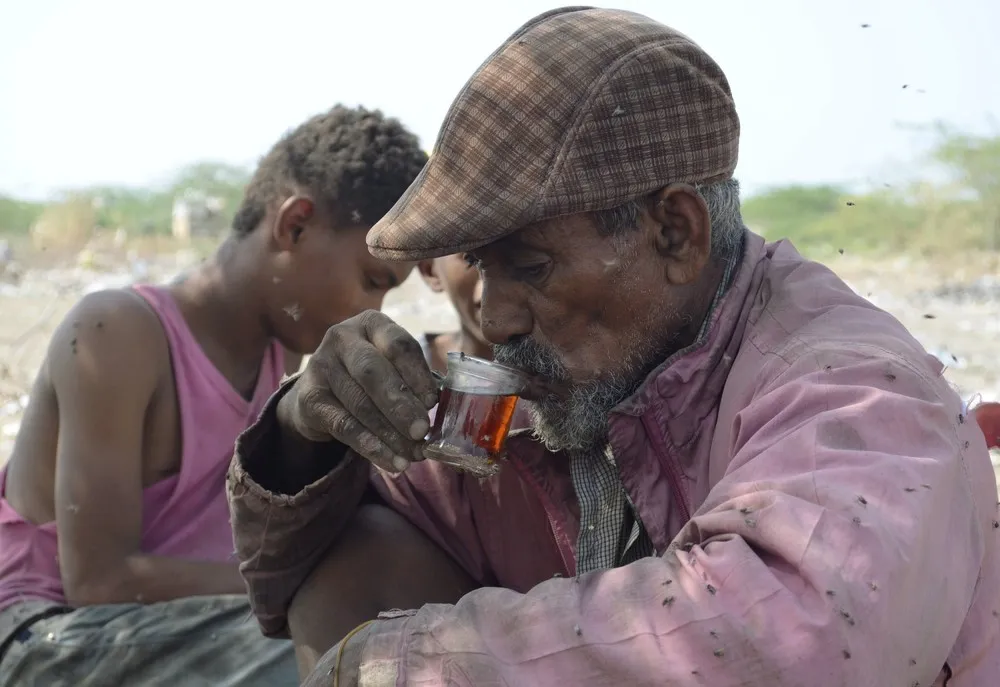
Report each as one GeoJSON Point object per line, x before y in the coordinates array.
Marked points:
{"type": "Point", "coordinates": [355, 161]}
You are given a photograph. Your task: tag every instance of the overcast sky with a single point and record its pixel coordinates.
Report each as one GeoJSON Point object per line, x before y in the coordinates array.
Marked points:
{"type": "Point", "coordinates": [127, 91]}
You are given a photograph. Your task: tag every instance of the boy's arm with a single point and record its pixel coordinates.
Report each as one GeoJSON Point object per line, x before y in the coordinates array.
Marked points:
{"type": "Point", "coordinates": [106, 361]}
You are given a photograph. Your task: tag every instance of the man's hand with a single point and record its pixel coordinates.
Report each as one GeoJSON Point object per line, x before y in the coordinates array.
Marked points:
{"type": "Point", "coordinates": [367, 387]}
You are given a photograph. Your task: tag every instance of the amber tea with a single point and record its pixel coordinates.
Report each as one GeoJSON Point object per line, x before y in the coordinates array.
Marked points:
{"type": "Point", "coordinates": [474, 414]}
{"type": "Point", "coordinates": [474, 421]}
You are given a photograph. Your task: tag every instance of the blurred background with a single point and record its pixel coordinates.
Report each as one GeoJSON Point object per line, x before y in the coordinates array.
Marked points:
{"type": "Point", "coordinates": [127, 131]}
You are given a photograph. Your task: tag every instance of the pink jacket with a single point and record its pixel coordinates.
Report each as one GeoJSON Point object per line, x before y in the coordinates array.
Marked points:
{"type": "Point", "coordinates": [823, 511]}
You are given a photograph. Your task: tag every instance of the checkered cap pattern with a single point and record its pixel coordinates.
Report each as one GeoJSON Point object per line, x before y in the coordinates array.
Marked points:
{"type": "Point", "coordinates": [580, 110]}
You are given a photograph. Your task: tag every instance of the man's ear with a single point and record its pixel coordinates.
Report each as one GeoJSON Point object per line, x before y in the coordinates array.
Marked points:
{"type": "Point", "coordinates": [681, 231]}
{"type": "Point", "coordinates": [291, 220]}
{"type": "Point", "coordinates": [429, 272]}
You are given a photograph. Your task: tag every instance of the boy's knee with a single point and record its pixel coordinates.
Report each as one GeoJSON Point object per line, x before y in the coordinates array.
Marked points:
{"type": "Point", "coordinates": [380, 561]}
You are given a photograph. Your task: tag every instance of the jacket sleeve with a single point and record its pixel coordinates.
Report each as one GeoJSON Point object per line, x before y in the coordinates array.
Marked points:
{"type": "Point", "coordinates": [842, 546]}
{"type": "Point", "coordinates": [280, 538]}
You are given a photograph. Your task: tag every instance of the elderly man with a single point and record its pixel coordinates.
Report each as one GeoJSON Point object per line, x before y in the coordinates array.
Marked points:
{"type": "Point", "coordinates": [741, 472]}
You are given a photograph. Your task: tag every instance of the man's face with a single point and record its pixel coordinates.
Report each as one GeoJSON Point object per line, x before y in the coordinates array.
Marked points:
{"type": "Point", "coordinates": [329, 276]}
{"type": "Point", "coordinates": [594, 314]}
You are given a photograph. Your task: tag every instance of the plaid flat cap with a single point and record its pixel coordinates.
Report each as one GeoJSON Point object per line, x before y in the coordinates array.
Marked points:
{"type": "Point", "coordinates": [582, 109]}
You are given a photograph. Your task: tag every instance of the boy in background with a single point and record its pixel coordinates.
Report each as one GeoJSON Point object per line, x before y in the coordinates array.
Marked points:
{"type": "Point", "coordinates": [453, 276]}
{"type": "Point", "coordinates": [116, 562]}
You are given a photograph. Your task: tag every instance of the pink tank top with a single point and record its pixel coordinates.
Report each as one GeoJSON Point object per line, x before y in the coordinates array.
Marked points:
{"type": "Point", "coordinates": [185, 515]}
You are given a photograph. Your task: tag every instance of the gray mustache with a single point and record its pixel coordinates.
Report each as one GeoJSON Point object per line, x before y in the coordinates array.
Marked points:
{"type": "Point", "coordinates": [530, 356]}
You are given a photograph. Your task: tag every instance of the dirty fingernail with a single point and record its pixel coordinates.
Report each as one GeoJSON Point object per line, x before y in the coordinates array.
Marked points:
{"type": "Point", "coordinates": [418, 430]}
{"type": "Point", "coordinates": [400, 463]}
{"type": "Point", "coordinates": [430, 400]}
{"type": "Point", "coordinates": [418, 453]}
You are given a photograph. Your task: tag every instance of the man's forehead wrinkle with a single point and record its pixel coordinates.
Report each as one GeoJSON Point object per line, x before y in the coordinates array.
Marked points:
{"type": "Point", "coordinates": [555, 237]}
{"type": "Point", "coordinates": [543, 235]}
{"type": "Point", "coordinates": [525, 239]}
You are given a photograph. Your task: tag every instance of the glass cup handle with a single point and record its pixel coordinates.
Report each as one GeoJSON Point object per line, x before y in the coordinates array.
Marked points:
{"type": "Point", "coordinates": [440, 379]}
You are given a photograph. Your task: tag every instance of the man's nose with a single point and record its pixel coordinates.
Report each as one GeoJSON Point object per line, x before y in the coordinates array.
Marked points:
{"type": "Point", "coordinates": [504, 316]}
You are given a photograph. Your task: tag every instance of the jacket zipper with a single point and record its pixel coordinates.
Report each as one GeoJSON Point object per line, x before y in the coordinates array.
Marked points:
{"type": "Point", "coordinates": [558, 531]}
{"type": "Point", "coordinates": [673, 475]}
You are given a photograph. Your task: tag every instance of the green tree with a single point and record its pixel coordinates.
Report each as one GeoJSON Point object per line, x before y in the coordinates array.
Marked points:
{"type": "Point", "coordinates": [17, 216]}
{"type": "Point", "coordinates": [974, 163]}
{"type": "Point", "coordinates": [788, 211]}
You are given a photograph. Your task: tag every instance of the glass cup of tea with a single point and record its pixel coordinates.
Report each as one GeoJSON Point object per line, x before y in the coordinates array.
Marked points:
{"type": "Point", "coordinates": [474, 414]}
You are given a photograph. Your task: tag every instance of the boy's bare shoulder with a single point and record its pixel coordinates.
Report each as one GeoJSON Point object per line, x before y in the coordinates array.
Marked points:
{"type": "Point", "coordinates": [111, 328]}
{"type": "Point", "coordinates": [121, 306]}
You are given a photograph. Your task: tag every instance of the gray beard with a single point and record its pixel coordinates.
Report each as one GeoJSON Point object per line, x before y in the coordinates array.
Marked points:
{"type": "Point", "coordinates": [577, 421]}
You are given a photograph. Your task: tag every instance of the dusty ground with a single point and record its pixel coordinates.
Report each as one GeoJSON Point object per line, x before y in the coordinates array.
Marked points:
{"type": "Point", "coordinates": [953, 308]}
